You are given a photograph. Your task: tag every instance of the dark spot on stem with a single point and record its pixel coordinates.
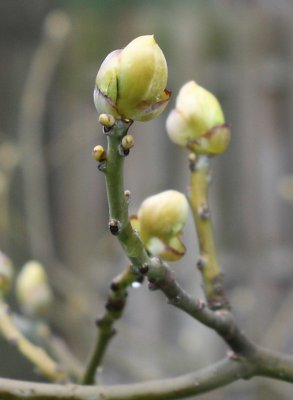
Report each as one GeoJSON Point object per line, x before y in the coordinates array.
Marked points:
{"type": "Point", "coordinates": [114, 286]}
{"type": "Point", "coordinates": [114, 226]}
{"type": "Point", "coordinates": [144, 269]}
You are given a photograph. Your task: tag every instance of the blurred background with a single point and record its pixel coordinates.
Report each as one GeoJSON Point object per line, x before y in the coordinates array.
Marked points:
{"type": "Point", "coordinates": [53, 201]}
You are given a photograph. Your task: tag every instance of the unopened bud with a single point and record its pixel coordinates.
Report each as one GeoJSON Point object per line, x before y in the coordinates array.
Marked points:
{"type": "Point", "coordinates": [6, 274]}
{"type": "Point", "coordinates": [131, 83]}
{"type": "Point", "coordinates": [99, 153]}
{"type": "Point", "coordinates": [198, 122]}
{"type": "Point", "coordinates": [160, 221]}
{"type": "Point", "coordinates": [107, 120]}
{"type": "Point", "coordinates": [32, 289]}
{"type": "Point", "coordinates": [127, 142]}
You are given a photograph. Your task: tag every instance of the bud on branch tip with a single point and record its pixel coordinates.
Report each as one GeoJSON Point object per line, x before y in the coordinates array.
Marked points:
{"type": "Point", "coordinates": [198, 122]}
{"type": "Point", "coordinates": [131, 82]}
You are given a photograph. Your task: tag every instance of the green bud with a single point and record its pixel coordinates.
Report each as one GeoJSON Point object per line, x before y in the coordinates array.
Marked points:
{"type": "Point", "coordinates": [6, 274]}
{"type": "Point", "coordinates": [32, 289]}
{"type": "Point", "coordinates": [131, 83]}
{"type": "Point", "coordinates": [198, 122]}
{"type": "Point", "coordinates": [160, 221]}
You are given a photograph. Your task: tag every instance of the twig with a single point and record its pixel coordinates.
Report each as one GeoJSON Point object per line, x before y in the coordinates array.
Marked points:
{"type": "Point", "coordinates": [205, 380]}
{"type": "Point", "coordinates": [160, 276]}
{"type": "Point", "coordinates": [218, 375]}
{"type": "Point", "coordinates": [37, 84]}
{"type": "Point", "coordinates": [36, 355]}
{"type": "Point", "coordinates": [119, 223]}
{"type": "Point", "coordinates": [207, 263]}
{"type": "Point", "coordinates": [114, 309]}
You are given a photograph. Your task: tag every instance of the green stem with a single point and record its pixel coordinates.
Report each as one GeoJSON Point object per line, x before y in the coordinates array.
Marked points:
{"type": "Point", "coordinates": [114, 309]}
{"type": "Point", "coordinates": [208, 263]}
{"type": "Point", "coordinates": [118, 207]}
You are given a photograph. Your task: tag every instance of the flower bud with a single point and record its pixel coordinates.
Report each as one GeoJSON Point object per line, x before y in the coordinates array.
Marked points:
{"type": "Point", "coordinates": [198, 122]}
{"type": "Point", "coordinates": [32, 289]}
{"type": "Point", "coordinates": [131, 83]}
{"type": "Point", "coordinates": [160, 221]}
{"type": "Point", "coordinates": [99, 153]}
{"type": "Point", "coordinates": [6, 274]}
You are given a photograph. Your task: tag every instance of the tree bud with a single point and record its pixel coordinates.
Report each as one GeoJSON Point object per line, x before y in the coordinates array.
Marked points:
{"type": "Point", "coordinates": [6, 274]}
{"type": "Point", "coordinates": [32, 289]}
{"type": "Point", "coordinates": [131, 83]}
{"type": "Point", "coordinates": [160, 221]}
{"type": "Point", "coordinates": [99, 153]}
{"type": "Point", "coordinates": [198, 122]}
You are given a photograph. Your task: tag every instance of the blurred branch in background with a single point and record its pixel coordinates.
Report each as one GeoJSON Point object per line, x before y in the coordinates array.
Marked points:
{"type": "Point", "coordinates": [33, 103]}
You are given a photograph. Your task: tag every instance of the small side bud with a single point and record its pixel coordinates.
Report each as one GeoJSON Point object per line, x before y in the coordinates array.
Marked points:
{"type": "Point", "coordinates": [127, 194]}
{"type": "Point", "coordinates": [198, 122]}
{"type": "Point", "coordinates": [6, 274]}
{"type": "Point", "coordinates": [127, 142]}
{"type": "Point", "coordinates": [160, 221]}
{"type": "Point", "coordinates": [107, 120]}
{"type": "Point", "coordinates": [99, 153]}
{"type": "Point", "coordinates": [32, 289]}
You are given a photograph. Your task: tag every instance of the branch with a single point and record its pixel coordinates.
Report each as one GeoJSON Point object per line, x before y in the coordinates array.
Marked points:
{"type": "Point", "coordinates": [32, 107]}
{"type": "Point", "coordinates": [213, 377]}
{"type": "Point", "coordinates": [161, 277]}
{"type": "Point", "coordinates": [207, 263]}
{"type": "Point", "coordinates": [36, 355]}
{"type": "Point", "coordinates": [114, 309]}
{"type": "Point", "coordinates": [119, 223]}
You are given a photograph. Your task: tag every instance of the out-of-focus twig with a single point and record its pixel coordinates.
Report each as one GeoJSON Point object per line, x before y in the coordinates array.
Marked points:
{"type": "Point", "coordinates": [32, 107]}
{"type": "Point", "coordinates": [36, 355]}
{"type": "Point", "coordinates": [114, 309]}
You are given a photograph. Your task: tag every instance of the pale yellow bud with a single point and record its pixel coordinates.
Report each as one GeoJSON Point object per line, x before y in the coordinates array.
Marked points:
{"type": "Point", "coordinates": [99, 153]}
{"type": "Point", "coordinates": [160, 221]}
{"type": "Point", "coordinates": [198, 122]}
{"type": "Point", "coordinates": [131, 83]}
{"type": "Point", "coordinates": [127, 142]}
{"type": "Point", "coordinates": [32, 289]}
{"type": "Point", "coordinates": [6, 274]}
{"type": "Point", "coordinates": [106, 120]}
